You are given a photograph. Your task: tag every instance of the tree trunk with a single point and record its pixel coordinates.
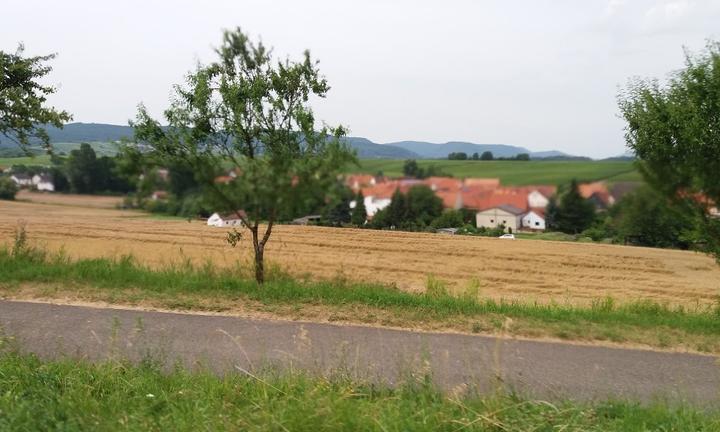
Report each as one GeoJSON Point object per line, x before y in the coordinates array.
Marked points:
{"type": "Point", "coordinates": [259, 264]}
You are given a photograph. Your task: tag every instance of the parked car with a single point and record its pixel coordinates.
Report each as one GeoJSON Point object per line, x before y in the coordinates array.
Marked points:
{"type": "Point", "coordinates": [508, 236]}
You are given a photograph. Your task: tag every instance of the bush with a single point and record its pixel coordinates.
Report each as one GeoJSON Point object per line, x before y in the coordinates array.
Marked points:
{"type": "Point", "coordinates": [8, 188]}
{"type": "Point", "coordinates": [449, 219]}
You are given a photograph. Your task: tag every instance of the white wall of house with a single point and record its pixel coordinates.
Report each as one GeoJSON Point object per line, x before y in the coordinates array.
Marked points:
{"type": "Point", "coordinates": [494, 217]}
{"type": "Point", "coordinates": [45, 186]}
{"type": "Point", "coordinates": [21, 181]}
{"type": "Point", "coordinates": [536, 199]}
{"type": "Point", "coordinates": [372, 205]}
{"type": "Point", "coordinates": [533, 221]}
{"type": "Point", "coordinates": [217, 221]}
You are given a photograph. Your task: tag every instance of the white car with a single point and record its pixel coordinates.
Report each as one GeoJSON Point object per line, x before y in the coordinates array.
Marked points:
{"type": "Point", "coordinates": [507, 236]}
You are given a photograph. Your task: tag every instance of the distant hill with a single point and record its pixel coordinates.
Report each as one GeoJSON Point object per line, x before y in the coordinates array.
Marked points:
{"type": "Point", "coordinates": [107, 133]}
{"type": "Point", "coordinates": [369, 150]}
{"type": "Point", "coordinates": [440, 151]}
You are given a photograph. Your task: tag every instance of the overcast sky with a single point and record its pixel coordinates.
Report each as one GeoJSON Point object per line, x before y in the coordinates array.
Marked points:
{"type": "Point", "coordinates": [539, 74]}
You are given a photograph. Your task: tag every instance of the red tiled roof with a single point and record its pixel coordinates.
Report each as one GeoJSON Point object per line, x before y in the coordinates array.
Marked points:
{"type": "Point", "coordinates": [516, 197]}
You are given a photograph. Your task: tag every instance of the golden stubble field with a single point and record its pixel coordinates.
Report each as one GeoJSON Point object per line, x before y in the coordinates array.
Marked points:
{"type": "Point", "coordinates": [529, 270]}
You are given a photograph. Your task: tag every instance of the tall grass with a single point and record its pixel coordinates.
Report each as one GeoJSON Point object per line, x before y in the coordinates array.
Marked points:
{"type": "Point", "coordinates": [123, 274]}
{"type": "Point", "coordinates": [70, 395]}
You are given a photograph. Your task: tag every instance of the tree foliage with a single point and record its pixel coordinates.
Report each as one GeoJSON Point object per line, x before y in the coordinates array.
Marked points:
{"type": "Point", "coordinates": [487, 156]}
{"type": "Point", "coordinates": [674, 130]}
{"type": "Point", "coordinates": [573, 213]}
{"type": "Point", "coordinates": [359, 212]}
{"type": "Point", "coordinates": [8, 188]}
{"type": "Point", "coordinates": [248, 111]}
{"type": "Point", "coordinates": [412, 211]}
{"type": "Point", "coordinates": [23, 108]}
{"type": "Point", "coordinates": [457, 156]}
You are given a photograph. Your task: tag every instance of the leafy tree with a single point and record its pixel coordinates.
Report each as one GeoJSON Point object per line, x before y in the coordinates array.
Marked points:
{"type": "Point", "coordinates": [411, 168]}
{"type": "Point", "coordinates": [8, 188]}
{"type": "Point", "coordinates": [250, 112]}
{"type": "Point", "coordinates": [82, 169]}
{"type": "Point", "coordinates": [422, 205]}
{"type": "Point", "coordinates": [412, 211]}
{"type": "Point", "coordinates": [522, 157]}
{"type": "Point", "coordinates": [337, 211]}
{"type": "Point", "coordinates": [23, 110]}
{"type": "Point", "coordinates": [60, 180]}
{"type": "Point", "coordinates": [574, 213]}
{"type": "Point", "coordinates": [449, 219]}
{"type": "Point", "coordinates": [458, 156]}
{"type": "Point", "coordinates": [673, 130]}
{"type": "Point", "coordinates": [487, 156]}
{"type": "Point", "coordinates": [397, 210]}
{"type": "Point", "coordinates": [475, 156]}
{"type": "Point", "coordinates": [647, 218]}
{"type": "Point", "coordinates": [359, 212]}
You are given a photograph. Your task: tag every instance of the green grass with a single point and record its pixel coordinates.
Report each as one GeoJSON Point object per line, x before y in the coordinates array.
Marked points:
{"type": "Point", "coordinates": [515, 172]}
{"type": "Point", "coordinates": [187, 287]}
{"type": "Point", "coordinates": [70, 395]}
{"type": "Point", "coordinates": [25, 160]}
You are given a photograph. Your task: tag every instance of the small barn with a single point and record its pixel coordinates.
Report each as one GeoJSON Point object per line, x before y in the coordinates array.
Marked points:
{"type": "Point", "coordinates": [226, 219]}
{"type": "Point", "coordinates": [534, 220]}
{"type": "Point", "coordinates": [43, 182]}
{"type": "Point", "coordinates": [505, 215]}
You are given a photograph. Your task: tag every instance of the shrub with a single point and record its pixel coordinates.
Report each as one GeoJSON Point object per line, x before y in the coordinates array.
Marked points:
{"type": "Point", "coordinates": [8, 188]}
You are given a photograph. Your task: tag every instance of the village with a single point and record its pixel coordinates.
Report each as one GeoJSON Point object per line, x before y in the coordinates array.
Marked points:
{"type": "Point", "coordinates": [514, 208]}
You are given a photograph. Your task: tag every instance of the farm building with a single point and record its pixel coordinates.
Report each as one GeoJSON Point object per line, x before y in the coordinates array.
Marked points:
{"type": "Point", "coordinates": [225, 219]}
{"type": "Point", "coordinates": [507, 215]}
{"type": "Point", "coordinates": [534, 220]}
{"type": "Point", "coordinates": [43, 182]}
{"type": "Point", "coordinates": [21, 179]}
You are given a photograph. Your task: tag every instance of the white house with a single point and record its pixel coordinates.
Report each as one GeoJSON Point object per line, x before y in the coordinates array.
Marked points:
{"type": "Point", "coordinates": [21, 179]}
{"type": "Point", "coordinates": [225, 220]}
{"type": "Point", "coordinates": [43, 182]}
{"type": "Point", "coordinates": [507, 215]}
{"type": "Point", "coordinates": [373, 204]}
{"type": "Point", "coordinates": [534, 220]}
{"type": "Point", "coordinates": [537, 199]}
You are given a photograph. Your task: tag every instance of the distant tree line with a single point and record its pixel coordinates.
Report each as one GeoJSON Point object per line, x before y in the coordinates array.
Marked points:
{"type": "Point", "coordinates": [487, 156]}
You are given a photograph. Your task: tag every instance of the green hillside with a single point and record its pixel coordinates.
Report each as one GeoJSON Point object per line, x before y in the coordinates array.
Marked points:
{"type": "Point", "coordinates": [514, 172]}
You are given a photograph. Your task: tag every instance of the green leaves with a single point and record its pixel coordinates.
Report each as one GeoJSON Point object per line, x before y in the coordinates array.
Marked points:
{"type": "Point", "coordinates": [23, 112]}
{"type": "Point", "coordinates": [675, 131]}
{"type": "Point", "coordinates": [249, 114]}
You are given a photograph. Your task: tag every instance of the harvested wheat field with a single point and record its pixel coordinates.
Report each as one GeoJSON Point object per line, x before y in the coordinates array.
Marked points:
{"type": "Point", "coordinates": [530, 270]}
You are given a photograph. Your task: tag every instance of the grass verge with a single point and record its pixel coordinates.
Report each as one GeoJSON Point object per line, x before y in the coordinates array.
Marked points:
{"type": "Point", "coordinates": [72, 395]}
{"type": "Point", "coordinates": [28, 272]}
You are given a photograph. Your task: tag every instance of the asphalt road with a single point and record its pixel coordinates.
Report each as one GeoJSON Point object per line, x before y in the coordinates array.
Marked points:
{"type": "Point", "coordinates": [537, 369]}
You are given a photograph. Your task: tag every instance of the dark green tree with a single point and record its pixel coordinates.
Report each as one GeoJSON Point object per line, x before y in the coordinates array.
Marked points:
{"type": "Point", "coordinates": [8, 188]}
{"type": "Point", "coordinates": [411, 168]}
{"type": "Point", "coordinates": [337, 211]}
{"type": "Point", "coordinates": [647, 218]}
{"type": "Point", "coordinates": [475, 156]}
{"type": "Point", "coordinates": [359, 212]}
{"type": "Point", "coordinates": [252, 113]}
{"type": "Point", "coordinates": [397, 210]}
{"type": "Point", "coordinates": [23, 99]}
{"type": "Point", "coordinates": [487, 156]}
{"type": "Point", "coordinates": [575, 213]}
{"type": "Point", "coordinates": [522, 157]}
{"type": "Point", "coordinates": [458, 156]}
{"type": "Point", "coordinates": [673, 128]}
{"type": "Point", "coordinates": [423, 206]}
{"type": "Point", "coordinates": [82, 170]}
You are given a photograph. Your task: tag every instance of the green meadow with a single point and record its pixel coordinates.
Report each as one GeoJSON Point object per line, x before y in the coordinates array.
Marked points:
{"type": "Point", "coordinates": [515, 173]}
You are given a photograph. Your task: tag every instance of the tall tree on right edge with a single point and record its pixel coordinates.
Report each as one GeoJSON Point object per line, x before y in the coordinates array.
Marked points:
{"type": "Point", "coordinates": [674, 130]}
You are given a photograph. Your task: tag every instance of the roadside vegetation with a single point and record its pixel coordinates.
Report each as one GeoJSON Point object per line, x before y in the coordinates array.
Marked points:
{"type": "Point", "coordinates": [32, 273]}
{"type": "Point", "coordinates": [115, 395]}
